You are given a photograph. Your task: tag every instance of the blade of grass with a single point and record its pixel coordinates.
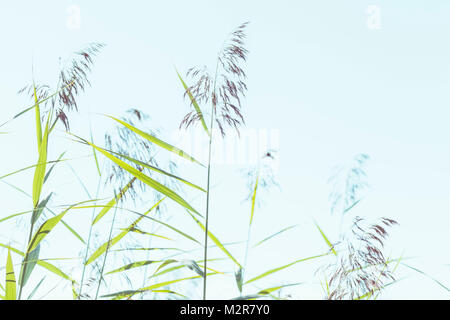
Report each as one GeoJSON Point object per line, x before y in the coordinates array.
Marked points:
{"type": "Point", "coordinates": [38, 119]}
{"type": "Point", "coordinates": [426, 275]}
{"type": "Point", "coordinates": [124, 294]}
{"type": "Point", "coordinates": [254, 199]}
{"type": "Point", "coordinates": [95, 153]}
{"type": "Point", "coordinates": [216, 241]}
{"type": "Point", "coordinates": [195, 104]}
{"type": "Point", "coordinates": [265, 274]}
{"type": "Point", "coordinates": [34, 105]}
{"type": "Point", "coordinates": [264, 292]}
{"type": "Point", "coordinates": [48, 226]}
{"type": "Point", "coordinates": [145, 165]}
{"type": "Point", "coordinates": [35, 289]}
{"type": "Point", "coordinates": [133, 265]}
{"type": "Point", "coordinates": [39, 174]}
{"type": "Point", "coordinates": [326, 240]}
{"type": "Point", "coordinates": [100, 278]}
{"type": "Point", "coordinates": [30, 167]}
{"type": "Point", "coordinates": [144, 178]}
{"type": "Point", "coordinates": [157, 141]}
{"type": "Point", "coordinates": [113, 201]}
{"type": "Point", "coordinates": [41, 263]}
{"type": "Point", "coordinates": [10, 293]}
{"type": "Point", "coordinates": [30, 263]}
{"type": "Point", "coordinates": [53, 213]}
{"type": "Point", "coordinates": [174, 229]}
{"type": "Point", "coordinates": [136, 230]}
{"type": "Point", "coordinates": [102, 249]}
{"type": "Point", "coordinates": [275, 234]}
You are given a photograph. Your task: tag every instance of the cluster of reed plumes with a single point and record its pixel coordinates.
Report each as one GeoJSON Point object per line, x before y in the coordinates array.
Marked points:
{"type": "Point", "coordinates": [361, 268]}
{"type": "Point", "coordinates": [129, 168]}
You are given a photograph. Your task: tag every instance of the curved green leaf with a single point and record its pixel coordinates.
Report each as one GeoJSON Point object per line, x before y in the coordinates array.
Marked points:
{"type": "Point", "coordinates": [216, 241]}
{"type": "Point", "coordinates": [195, 104]}
{"type": "Point", "coordinates": [143, 164]}
{"type": "Point", "coordinates": [47, 227]}
{"type": "Point", "coordinates": [144, 178]}
{"type": "Point", "coordinates": [113, 201]}
{"type": "Point", "coordinates": [10, 293]}
{"type": "Point", "coordinates": [41, 263]}
{"type": "Point", "coordinates": [102, 249]}
{"type": "Point", "coordinates": [265, 274]}
{"type": "Point", "coordinates": [273, 235]}
{"type": "Point", "coordinates": [157, 141]}
{"type": "Point", "coordinates": [326, 240]}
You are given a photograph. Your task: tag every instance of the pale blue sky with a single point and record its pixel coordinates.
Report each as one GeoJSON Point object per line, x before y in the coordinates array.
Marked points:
{"type": "Point", "coordinates": [331, 86]}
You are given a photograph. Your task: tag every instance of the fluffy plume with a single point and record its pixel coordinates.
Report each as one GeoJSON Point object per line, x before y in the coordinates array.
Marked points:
{"type": "Point", "coordinates": [225, 88]}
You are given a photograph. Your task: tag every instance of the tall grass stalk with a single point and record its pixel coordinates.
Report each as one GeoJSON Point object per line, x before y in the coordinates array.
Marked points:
{"type": "Point", "coordinates": [89, 240]}
{"type": "Point", "coordinates": [253, 201]}
{"type": "Point", "coordinates": [106, 252]}
{"type": "Point", "coordinates": [225, 102]}
{"type": "Point", "coordinates": [208, 183]}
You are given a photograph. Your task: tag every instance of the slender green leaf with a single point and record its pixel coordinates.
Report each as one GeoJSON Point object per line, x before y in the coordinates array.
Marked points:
{"type": "Point", "coordinates": [41, 263]}
{"type": "Point", "coordinates": [30, 167]}
{"type": "Point", "coordinates": [239, 279]}
{"type": "Point", "coordinates": [35, 289]}
{"type": "Point", "coordinates": [10, 293]}
{"type": "Point", "coordinates": [254, 199]}
{"type": "Point", "coordinates": [38, 119]}
{"type": "Point", "coordinates": [145, 165]}
{"type": "Point", "coordinates": [102, 249]}
{"type": "Point", "coordinates": [146, 179]}
{"type": "Point", "coordinates": [326, 240]}
{"type": "Point", "coordinates": [195, 104]}
{"type": "Point", "coordinates": [426, 275]}
{"type": "Point", "coordinates": [351, 207]}
{"type": "Point", "coordinates": [39, 209]}
{"type": "Point", "coordinates": [174, 229]}
{"type": "Point", "coordinates": [124, 294]}
{"type": "Point", "coordinates": [265, 274]}
{"type": "Point", "coordinates": [273, 235]}
{"type": "Point", "coordinates": [34, 105]}
{"type": "Point", "coordinates": [136, 230]}
{"type": "Point", "coordinates": [113, 201]}
{"type": "Point", "coordinates": [47, 227]}
{"type": "Point", "coordinates": [30, 263]}
{"type": "Point", "coordinates": [270, 290]}
{"type": "Point", "coordinates": [157, 141]}
{"type": "Point", "coordinates": [39, 173]}
{"type": "Point", "coordinates": [133, 265]}
{"type": "Point", "coordinates": [47, 175]}
{"type": "Point", "coordinates": [95, 155]}
{"type": "Point", "coordinates": [15, 215]}
{"type": "Point", "coordinates": [216, 241]}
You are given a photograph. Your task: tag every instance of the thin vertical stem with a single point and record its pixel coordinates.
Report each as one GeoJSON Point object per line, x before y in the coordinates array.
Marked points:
{"type": "Point", "coordinates": [213, 107]}
{"type": "Point", "coordinates": [106, 253]}
{"type": "Point", "coordinates": [88, 241]}
{"type": "Point", "coordinates": [253, 200]}
{"type": "Point", "coordinates": [207, 205]}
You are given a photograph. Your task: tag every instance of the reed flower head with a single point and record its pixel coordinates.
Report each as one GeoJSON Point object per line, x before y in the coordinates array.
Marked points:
{"type": "Point", "coordinates": [361, 268]}
{"type": "Point", "coordinates": [72, 80]}
{"type": "Point", "coordinates": [225, 88]}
